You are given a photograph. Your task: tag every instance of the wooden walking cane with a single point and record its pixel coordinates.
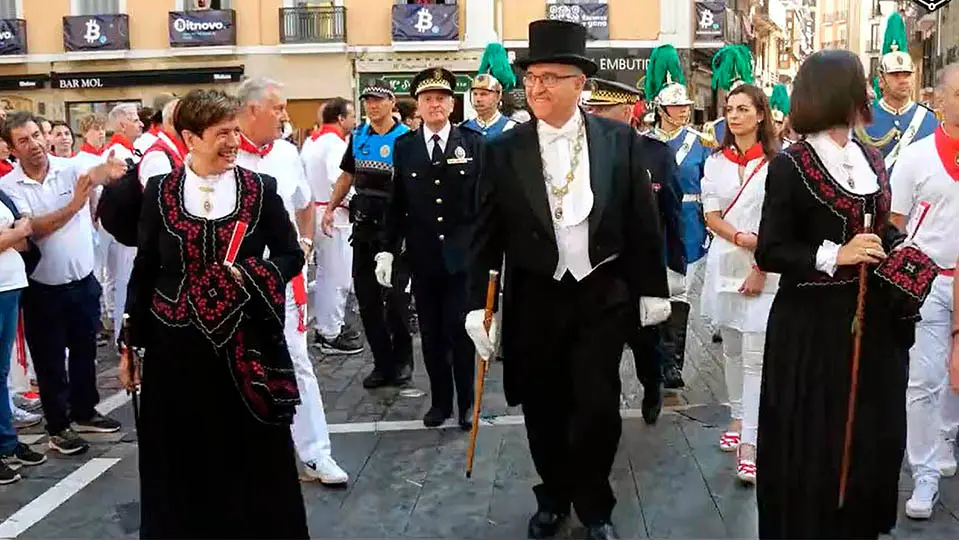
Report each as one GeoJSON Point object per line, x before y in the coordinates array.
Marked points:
{"type": "Point", "coordinates": [857, 329]}
{"type": "Point", "coordinates": [481, 372]}
{"type": "Point", "coordinates": [134, 364]}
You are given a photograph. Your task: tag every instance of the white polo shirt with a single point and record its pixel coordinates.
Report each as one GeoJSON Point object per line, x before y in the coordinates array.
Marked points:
{"type": "Point", "coordinates": [919, 180]}
{"type": "Point", "coordinates": [13, 275]}
{"type": "Point", "coordinates": [67, 254]}
{"type": "Point", "coordinates": [283, 163]}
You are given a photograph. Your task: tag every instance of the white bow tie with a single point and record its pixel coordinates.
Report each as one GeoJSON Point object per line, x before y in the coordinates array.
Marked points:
{"type": "Point", "coordinates": [551, 134]}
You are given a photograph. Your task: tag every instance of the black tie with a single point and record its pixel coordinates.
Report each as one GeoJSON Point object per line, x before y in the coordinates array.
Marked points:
{"type": "Point", "coordinates": [437, 156]}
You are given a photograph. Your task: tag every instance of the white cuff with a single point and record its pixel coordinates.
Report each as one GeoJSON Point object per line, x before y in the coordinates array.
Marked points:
{"type": "Point", "coordinates": [826, 257]}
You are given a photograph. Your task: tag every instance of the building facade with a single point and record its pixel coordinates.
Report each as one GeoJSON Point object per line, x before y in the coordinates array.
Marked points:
{"type": "Point", "coordinates": [64, 58]}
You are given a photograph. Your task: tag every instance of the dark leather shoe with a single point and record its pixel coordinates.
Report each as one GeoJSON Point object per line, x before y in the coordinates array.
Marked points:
{"type": "Point", "coordinates": [435, 417]}
{"type": "Point", "coordinates": [545, 524]}
{"type": "Point", "coordinates": [652, 405]}
{"type": "Point", "coordinates": [601, 531]}
{"type": "Point", "coordinates": [376, 379]}
{"type": "Point", "coordinates": [466, 419]}
{"type": "Point", "coordinates": [673, 379]}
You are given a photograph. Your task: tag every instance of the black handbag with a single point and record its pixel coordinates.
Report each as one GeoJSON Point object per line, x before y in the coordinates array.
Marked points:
{"type": "Point", "coordinates": [31, 257]}
{"type": "Point", "coordinates": [908, 274]}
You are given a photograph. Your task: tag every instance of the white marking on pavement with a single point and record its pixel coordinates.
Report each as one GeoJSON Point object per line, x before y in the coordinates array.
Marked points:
{"type": "Point", "coordinates": [52, 498]}
{"type": "Point", "coordinates": [113, 402]}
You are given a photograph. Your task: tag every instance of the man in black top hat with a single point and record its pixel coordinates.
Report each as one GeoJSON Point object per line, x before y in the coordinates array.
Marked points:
{"type": "Point", "coordinates": [568, 201]}
{"type": "Point", "coordinates": [367, 166]}
{"type": "Point", "coordinates": [433, 210]}
{"type": "Point", "coordinates": [615, 100]}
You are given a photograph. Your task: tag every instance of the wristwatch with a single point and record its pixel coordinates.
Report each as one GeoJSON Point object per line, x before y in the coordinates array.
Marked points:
{"type": "Point", "coordinates": [307, 241]}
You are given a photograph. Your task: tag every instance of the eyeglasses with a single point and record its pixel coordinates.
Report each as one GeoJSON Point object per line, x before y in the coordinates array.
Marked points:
{"type": "Point", "coordinates": [549, 80]}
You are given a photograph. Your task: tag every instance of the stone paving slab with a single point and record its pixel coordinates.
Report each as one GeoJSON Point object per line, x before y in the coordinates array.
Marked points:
{"type": "Point", "coordinates": [670, 481]}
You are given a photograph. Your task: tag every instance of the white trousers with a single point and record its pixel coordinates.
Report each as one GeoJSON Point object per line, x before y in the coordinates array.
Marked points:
{"type": "Point", "coordinates": [101, 242]}
{"type": "Point", "coordinates": [932, 410]}
{"type": "Point", "coordinates": [310, 434]}
{"type": "Point", "coordinates": [743, 354]}
{"type": "Point", "coordinates": [691, 270]}
{"type": "Point", "coordinates": [118, 259]}
{"type": "Point", "coordinates": [334, 279]}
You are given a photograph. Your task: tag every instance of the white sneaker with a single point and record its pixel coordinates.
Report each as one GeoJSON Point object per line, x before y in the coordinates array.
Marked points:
{"type": "Point", "coordinates": [326, 471]}
{"type": "Point", "coordinates": [924, 497]}
{"type": "Point", "coordinates": [946, 458]}
{"type": "Point", "coordinates": [24, 419]}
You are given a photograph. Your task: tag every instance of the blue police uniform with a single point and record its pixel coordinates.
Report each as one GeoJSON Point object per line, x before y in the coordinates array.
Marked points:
{"type": "Point", "coordinates": [889, 126]}
{"type": "Point", "coordinates": [690, 177]}
{"type": "Point", "coordinates": [494, 129]}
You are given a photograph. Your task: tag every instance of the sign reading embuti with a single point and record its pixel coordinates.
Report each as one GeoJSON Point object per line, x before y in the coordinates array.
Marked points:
{"type": "Point", "coordinates": [202, 28]}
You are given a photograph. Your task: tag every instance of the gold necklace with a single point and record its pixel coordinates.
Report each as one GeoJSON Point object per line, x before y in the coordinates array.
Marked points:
{"type": "Point", "coordinates": [562, 191]}
{"type": "Point", "coordinates": [208, 198]}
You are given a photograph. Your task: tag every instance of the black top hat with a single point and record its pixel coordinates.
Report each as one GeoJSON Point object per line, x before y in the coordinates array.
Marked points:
{"type": "Point", "coordinates": [436, 78]}
{"type": "Point", "coordinates": [377, 88]}
{"type": "Point", "coordinates": [558, 42]}
{"type": "Point", "coordinates": [606, 92]}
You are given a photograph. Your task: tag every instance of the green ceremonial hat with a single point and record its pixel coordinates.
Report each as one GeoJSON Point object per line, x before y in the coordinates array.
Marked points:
{"type": "Point", "coordinates": [895, 50]}
{"type": "Point", "coordinates": [664, 68]}
{"type": "Point", "coordinates": [779, 102]}
{"type": "Point", "coordinates": [731, 65]}
{"type": "Point", "coordinates": [495, 62]}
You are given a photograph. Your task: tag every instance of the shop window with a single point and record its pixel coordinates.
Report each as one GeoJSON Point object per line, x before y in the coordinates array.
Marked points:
{"type": "Point", "coordinates": [79, 109]}
{"type": "Point", "coordinates": [97, 7]}
{"type": "Point", "coordinates": [8, 9]}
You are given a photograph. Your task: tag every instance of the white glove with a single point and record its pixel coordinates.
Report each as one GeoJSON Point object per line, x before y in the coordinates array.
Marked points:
{"type": "Point", "coordinates": [677, 282]}
{"type": "Point", "coordinates": [653, 311]}
{"type": "Point", "coordinates": [384, 269]}
{"type": "Point", "coordinates": [483, 342]}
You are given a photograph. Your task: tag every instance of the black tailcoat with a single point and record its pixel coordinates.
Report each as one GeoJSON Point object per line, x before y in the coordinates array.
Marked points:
{"type": "Point", "coordinates": [515, 220]}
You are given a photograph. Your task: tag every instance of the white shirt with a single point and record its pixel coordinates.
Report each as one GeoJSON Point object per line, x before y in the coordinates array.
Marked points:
{"type": "Point", "coordinates": [84, 161]}
{"type": "Point", "coordinates": [919, 179]}
{"type": "Point", "coordinates": [120, 152]}
{"type": "Point", "coordinates": [849, 167]}
{"type": "Point", "coordinates": [444, 134]}
{"type": "Point", "coordinates": [222, 197]}
{"type": "Point", "coordinates": [13, 273]}
{"type": "Point", "coordinates": [157, 163]}
{"type": "Point", "coordinates": [321, 163]}
{"type": "Point", "coordinates": [282, 163]}
{"type": "Point", "coordinates": [144, 142]}
{"type": "Point", "coordinates": [572, 232]}
{"type": "Point", "coordinates": [67, 253]}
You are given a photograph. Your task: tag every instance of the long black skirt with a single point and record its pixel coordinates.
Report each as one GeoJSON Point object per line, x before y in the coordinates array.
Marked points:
{"type": "Point", "coordinates": [802, 416]}
{"type": "Point", "coordinates": [208, 468]}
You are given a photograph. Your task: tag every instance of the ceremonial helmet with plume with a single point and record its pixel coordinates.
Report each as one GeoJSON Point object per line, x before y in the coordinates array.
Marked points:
{"type": "Point", "coordinates": [732, 66]}
{"type": "Point", "coordinates": [495, 72]}
{"type": "Point", "coordinates": [665, 83]}
{"type": "Point", "coordinates": [779, 102]}
{"type": "Point", "coordinates": [895, 50]}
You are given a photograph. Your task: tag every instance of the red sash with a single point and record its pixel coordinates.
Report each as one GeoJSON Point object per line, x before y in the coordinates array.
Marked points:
{"type": "Point", "coordinates": [743, 187]}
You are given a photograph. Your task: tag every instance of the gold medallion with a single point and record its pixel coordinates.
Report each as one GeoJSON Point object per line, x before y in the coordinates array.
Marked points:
{"type": "Point", "coordinates": [558, 214]}
{"type": "Point", "coordinates": [207, 206]}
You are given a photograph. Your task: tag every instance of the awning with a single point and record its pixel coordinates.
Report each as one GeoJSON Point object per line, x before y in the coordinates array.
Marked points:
{"type": "Point", "coordinates": [117, 79]}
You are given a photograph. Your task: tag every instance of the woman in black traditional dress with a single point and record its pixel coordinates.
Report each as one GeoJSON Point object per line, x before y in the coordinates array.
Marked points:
{"type": "Point", "coordinates": [206, 307]}
{"type": "Point", "coordinates": [817, 196]}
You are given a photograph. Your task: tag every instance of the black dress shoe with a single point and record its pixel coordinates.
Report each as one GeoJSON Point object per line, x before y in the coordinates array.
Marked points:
{"type": "Point", "coordinates": [601, 531]}
{"type": "Point", "coordinates": [545, 524]}
{"type": "Point", "coordinates": [673, 379]}
{"type": "Point", "coordinates": [435, 417]}
{"type": "Point", "coordinates": [466, 419]}
{"type": "Point", "coordinates": [403, 375]}
{"type": "Point", "coordinates": [652, 405]}
{"type": "Point", "coordinates": [376, 379]}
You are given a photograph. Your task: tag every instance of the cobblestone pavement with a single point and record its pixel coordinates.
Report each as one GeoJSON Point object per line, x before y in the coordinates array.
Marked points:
{"type": "Point", "coordinates": [670, 480]}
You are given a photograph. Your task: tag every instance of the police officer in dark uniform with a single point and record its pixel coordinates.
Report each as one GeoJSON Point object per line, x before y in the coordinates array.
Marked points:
{"type": "Point", "coordinates": [368, 167]}
{"type": "Point", "coordinates": [433, 210]}
{"type": "Point", "coordinates": [615, 100]}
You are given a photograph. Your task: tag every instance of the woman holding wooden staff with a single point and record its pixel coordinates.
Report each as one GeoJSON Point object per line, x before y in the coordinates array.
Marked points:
{"type": "Point", "coordinates": [818, 195]}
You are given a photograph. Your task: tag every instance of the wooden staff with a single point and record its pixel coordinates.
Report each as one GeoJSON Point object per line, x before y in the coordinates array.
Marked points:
{"type": "Point", "coordinates": [481, 372]}
{"type": "Point", "coordinates": [857, 329]}
{"type": "Point", "coordinates": [134, 364]}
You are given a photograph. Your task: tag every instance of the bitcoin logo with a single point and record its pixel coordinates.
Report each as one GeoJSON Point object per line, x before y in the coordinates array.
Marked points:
{"type": "Point", "coordinates": [93, 31]}
{"type": "Point", "coordinates": [706, 19]}
{"type": "Point", "coordinates": [424, 21]}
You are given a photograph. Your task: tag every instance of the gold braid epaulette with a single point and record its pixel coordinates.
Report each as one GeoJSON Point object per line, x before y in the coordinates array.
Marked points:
{"type": "Point", "coordinates": [876, 142]}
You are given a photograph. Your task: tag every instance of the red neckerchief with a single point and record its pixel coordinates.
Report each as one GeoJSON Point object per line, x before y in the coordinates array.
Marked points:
{"type": "Point", "coordinates": [247, 146]}
{"type": "Point", "coordinates": [118, 138]}
{"type": "Point", "coordinates": [948, 149]}
{"type": "Point", "coordinates": [180, 146]}
{"type": "Point", "coordinates": [5, 167]}
{"type": "Point", "coordinates": [155, 130]}
{"type": "Point", "coordinates": [327, 128]}
{"type": "Point", "coordinates": [732, 154]}
{"type": "Point", "coordinates": [90, 149]}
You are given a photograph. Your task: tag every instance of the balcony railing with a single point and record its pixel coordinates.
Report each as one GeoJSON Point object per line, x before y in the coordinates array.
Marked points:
{"type": "Point", "coordinates": [313, 24]}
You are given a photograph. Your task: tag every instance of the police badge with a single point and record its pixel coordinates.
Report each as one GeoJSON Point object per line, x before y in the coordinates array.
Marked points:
{"type": "Point", "coordinates": [385, 150]}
